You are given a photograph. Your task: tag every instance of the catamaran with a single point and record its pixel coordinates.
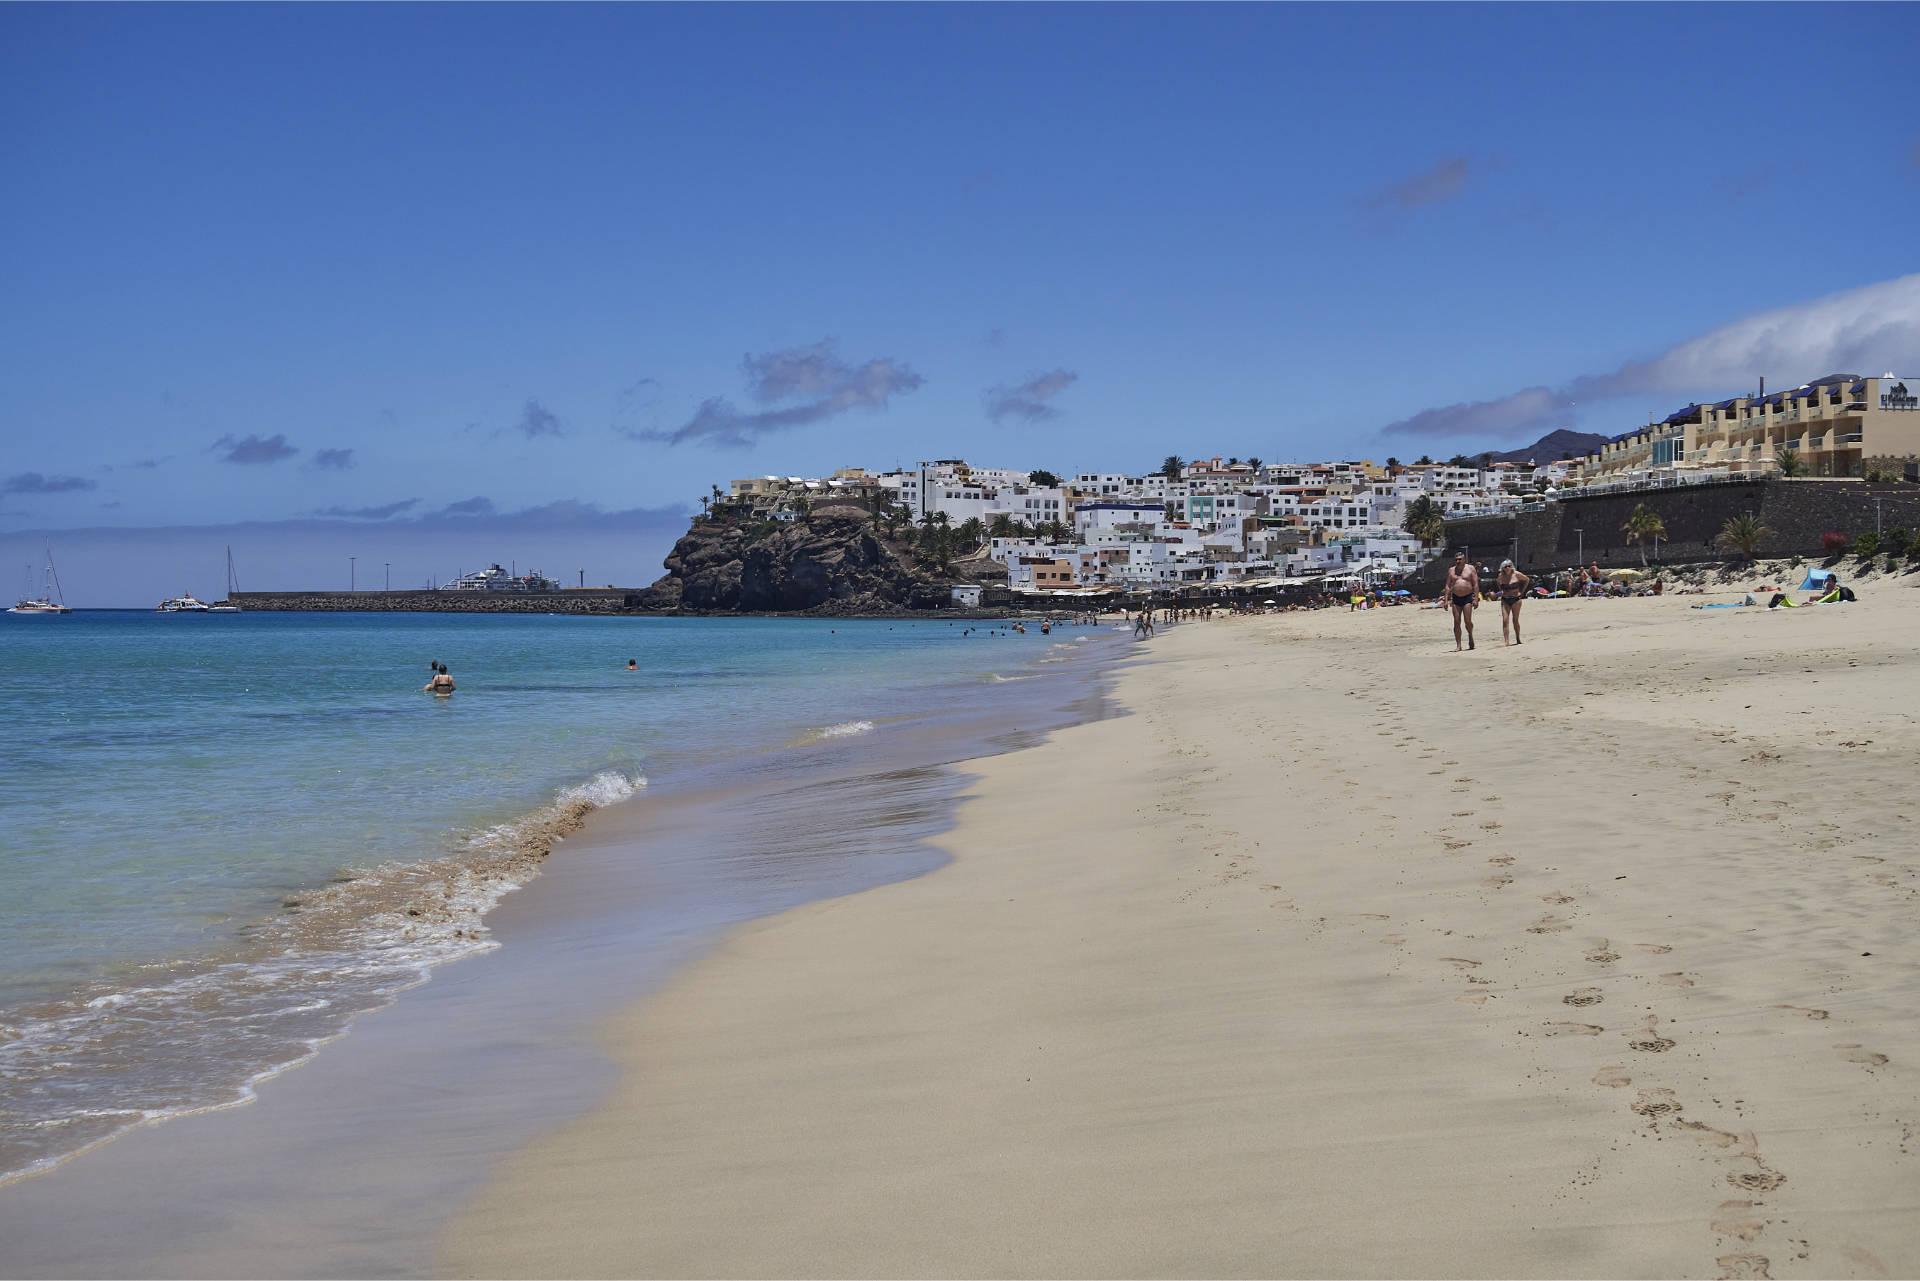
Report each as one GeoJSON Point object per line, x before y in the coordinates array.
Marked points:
{"type": "Point", "coordinates": [46, 603]}
{"type": "Point", "coordinates": [184, 603]}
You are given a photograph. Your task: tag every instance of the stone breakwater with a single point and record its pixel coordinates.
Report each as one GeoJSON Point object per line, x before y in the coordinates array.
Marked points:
{"type": "Point", "coordinates": [591, 600]}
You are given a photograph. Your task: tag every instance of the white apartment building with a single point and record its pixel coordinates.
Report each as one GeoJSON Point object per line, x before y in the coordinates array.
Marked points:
{"type": "Point", "coordinates": [1105, 483]}
{"type": "Point", "coordinates": [1089, 518]}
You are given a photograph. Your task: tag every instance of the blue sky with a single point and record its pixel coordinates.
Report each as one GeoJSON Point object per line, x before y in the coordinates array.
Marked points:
{"type": "Point", "coordinates": [432, 285]}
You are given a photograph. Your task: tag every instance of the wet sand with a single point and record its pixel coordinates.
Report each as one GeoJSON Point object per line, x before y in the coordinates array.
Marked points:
{"type": "Point", "coordinates": [1344, 954]}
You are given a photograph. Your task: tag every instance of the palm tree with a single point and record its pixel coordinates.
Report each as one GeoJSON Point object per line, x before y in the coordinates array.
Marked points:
{"type": "Point", "coordinates": [1392, 461]}
{"type": "Point", "coordinates": [804, 510]}
{"type": "Point", "coordinates": [1043, 479]}
{"type": "Point", "coordinates": [1743, 533]}
{"type": "Point", "coordinates": [1423, 460]}
{"type": "Point", "coordinates": [1172, 467]}
{"type": "Point", "coordinates": [970, 533]}
{"type": "Point", "coordinates": [1791, 464]}
{"type": "Point", "coordinates": [1644, 522]}
{"type": "Point", "coordinates": [1001, 526]}
{"type": "Point", "coordinates": [1425, 519]}
{"type": "Point", "coordinates": [1254, 463]}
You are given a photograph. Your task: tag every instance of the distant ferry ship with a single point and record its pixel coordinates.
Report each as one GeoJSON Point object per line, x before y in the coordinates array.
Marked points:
{"type": "Point", "coordinates": [495, 579]}
{"type": "Point", "coordinates": [182, 604]}
{"type": "Point", "coordinates": [46, 604]}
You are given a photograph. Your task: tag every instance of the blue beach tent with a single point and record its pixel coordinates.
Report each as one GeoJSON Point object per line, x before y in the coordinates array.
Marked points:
{"type": "Point", "coordinates": [1817, 580]}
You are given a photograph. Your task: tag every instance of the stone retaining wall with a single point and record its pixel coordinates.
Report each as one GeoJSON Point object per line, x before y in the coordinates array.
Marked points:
{"type": "Point", "coordinates": [1797, 512]}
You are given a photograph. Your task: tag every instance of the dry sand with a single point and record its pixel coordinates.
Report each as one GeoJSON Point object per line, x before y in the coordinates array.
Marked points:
{"type": "Point", "coordinates": [1343, 954]}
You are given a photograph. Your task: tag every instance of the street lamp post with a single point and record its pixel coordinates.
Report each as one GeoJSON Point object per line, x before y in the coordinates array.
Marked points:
{"type": "Point", "coordinates": [1581, 554]}
{"type": "Point", "coordinates": [350, 573]}
{"type": "Point", "coordinates": [389, 565]}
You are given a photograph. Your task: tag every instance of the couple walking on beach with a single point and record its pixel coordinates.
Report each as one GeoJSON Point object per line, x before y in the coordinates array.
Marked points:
{"type": "Point", "coordinates": [1463, 594]}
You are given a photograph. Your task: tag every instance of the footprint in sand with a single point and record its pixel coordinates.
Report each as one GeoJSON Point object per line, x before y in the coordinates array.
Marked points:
{"type": "Point", "coordinates": [1852, 1053]}
{"type": "Point", "coordinates": [1676, 980]}
{"type": "Point", "coordinates": [1461, 963]}
{"type": "Point", "coordinates": [1548, 924]}
{"type": "Point", "coordinates": [1393, 940]}
{"type": "Point", "coordinates": [1656, 1103]}
{"type": "Point", "coordinates": [1584, 996]}
{"type": "Point", "coordinates": [1612, 1077]}
{"type": "Point", "coordinates": [1489, 799]}
{"type": "Point", "coordinates": [1656, 949]}
{"type": "Point", "coordinates": [1802, 1009]}
{"type": "Point", "coordinates": [1602, 955]}
{"type": "Point", "coordinates": [1648, 1040]}
{"type": "Point", "coordinates": [1570, 1029]}
{"type": "Point", "coordinates": [1730, 1224]}
{"type": "Point", "coordinates": [1701, 1132]}
{"type": "Point", "coordinates": [1501, 860]}
{"type": "Point", "coordinates": [1740, 1267]}
{"type": "Point", "coordinates": [1286, 903]}
{"type": "Point", "coordinates": [1490, 827]}
{"type": "Point", "coordinates": [1452, 845]}
{"type": "Point", "coordinates": [1472, 998]}
{"type": "Point", "coordinates": [1463, 779]}
{"type": "Point", "coordinates": [1756, 1177]}
{"type": "Point", "coordinates": [1497, 882]}
{"type": "Point", "coordinates": [1556, 897]}
{"type": "Point", "coordinates": [1463, 813]}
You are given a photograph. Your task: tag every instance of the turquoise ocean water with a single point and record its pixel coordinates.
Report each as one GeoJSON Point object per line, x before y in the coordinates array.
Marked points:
{"type": "Point", "coordinates": [228, 835]}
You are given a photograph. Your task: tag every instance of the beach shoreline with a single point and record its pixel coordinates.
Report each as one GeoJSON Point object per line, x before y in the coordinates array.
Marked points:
{"type": "Point", "coordinates": [345, 1166]}
{"type": "Point", "coordinates": [1341, 954]}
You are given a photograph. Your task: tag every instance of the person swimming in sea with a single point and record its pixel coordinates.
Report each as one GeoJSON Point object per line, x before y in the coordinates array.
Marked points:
{"type": "Point", "coordinates": [441, 684]}
{"type": "Point", "coordinates": [633, 664]}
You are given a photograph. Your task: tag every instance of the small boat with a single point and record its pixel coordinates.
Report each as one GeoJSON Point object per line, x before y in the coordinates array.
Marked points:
{"type": "Point", "coordinates": [46, 603]}
{"type": "Point", "coordinates": [227, 606]}
{"type": "Point", "coordinates": [184, 603]}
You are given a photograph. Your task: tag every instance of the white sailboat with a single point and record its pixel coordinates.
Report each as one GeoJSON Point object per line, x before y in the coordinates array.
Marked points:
{"type": "Point", "coordinates": [46, 604]}
{"type": "Point", "coordinates": [227, 606]}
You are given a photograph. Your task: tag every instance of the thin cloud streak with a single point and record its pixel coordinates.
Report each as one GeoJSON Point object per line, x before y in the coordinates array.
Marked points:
{"type": "Point", "coordinates": [386, 511]}
{"type": "Point", "coordinates": [334, 459]}
{"type": "Point", "coordinates": [1029, 402]}
{"type": "Point", "coordinates": [1429, 187]}
{"type": "Point", "coordinates": [254, 449]}
{"type": "Point", "coordinates": [1865, 331]}
{"type": "Point", "coordinates": [32, 482]}
{"type": "Point", "coordinates": [813, 376]}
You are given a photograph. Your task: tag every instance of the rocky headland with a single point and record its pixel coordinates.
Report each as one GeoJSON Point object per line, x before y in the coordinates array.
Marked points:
{"type": "Point", "coordinates": [836, 560]}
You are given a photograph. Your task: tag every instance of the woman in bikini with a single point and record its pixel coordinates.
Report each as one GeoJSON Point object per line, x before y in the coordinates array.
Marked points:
{"type": "Point", "coordinates": [1513, 593]}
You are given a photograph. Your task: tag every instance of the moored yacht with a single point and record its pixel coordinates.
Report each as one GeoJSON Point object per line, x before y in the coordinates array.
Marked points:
{"type": "Point", "coordinates": [46, 604]}
{"type": "Point", "coordinates": [185, 603]}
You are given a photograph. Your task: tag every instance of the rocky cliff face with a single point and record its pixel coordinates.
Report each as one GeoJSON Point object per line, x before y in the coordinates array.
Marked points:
{"type": "Point", "coordinates": [835, 563]}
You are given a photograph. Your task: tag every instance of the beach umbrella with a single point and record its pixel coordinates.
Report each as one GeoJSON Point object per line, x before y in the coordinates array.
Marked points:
{"type": "Point", "coordinates": [1624, 573]}
{"type": "Point", "coordinates": [1269, 601]}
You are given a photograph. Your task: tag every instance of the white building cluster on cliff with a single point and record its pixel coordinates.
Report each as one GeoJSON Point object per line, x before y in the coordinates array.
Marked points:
{"type": "Point", "coordinates": [1208, 521]}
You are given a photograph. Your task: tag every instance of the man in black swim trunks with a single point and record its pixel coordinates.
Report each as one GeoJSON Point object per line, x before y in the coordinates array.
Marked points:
{"type": "Point", "coordinates": [1463, 593]}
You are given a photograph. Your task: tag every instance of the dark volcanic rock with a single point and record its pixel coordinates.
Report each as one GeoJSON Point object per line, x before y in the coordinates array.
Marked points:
{"type": "Point", "coordinates": [834, 564]}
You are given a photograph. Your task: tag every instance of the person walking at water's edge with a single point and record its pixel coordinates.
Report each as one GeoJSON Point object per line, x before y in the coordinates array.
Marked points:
{"type": "Point", "coordinates": [1463, 592]}
{"type": "Point", "coordinates": [1513, 593]}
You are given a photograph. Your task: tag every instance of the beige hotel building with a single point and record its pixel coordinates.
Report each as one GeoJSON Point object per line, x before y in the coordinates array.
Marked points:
{"type": "Point", "coordinates": [1840, 425]}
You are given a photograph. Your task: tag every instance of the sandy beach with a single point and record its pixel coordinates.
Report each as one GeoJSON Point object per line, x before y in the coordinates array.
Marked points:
{"type": "Point", "coordinates": [1341, 954]}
